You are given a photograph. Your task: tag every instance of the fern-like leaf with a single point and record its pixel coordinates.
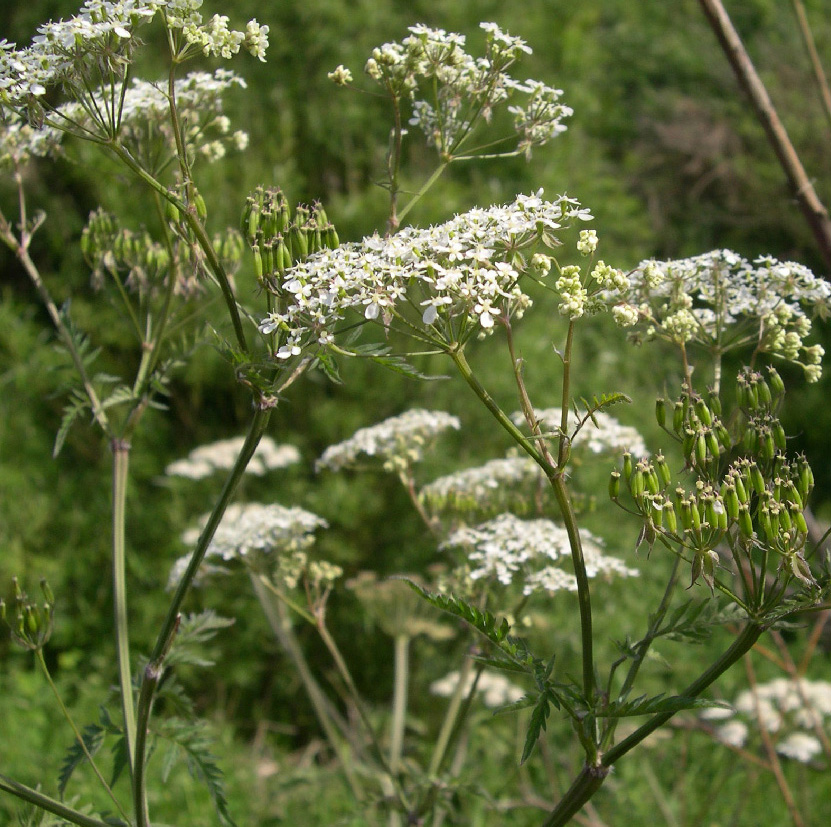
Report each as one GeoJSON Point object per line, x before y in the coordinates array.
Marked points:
{"type": "Point", "coordinates": [93, 737]}
{"type": "Point", "coordinates": [78, 403]}
{"type": "Point", "coordinates": [194, 631]}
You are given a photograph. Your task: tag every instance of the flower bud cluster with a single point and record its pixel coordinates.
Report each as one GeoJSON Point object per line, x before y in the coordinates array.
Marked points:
{"type": "Point", "coordinates": [29, 622]}
{"type": "Point", "coordinates": [278, 240]}
{"type": "Point", "coordinates": [451, 91]}
{"type": "Point", "coordinates": [719, 297]}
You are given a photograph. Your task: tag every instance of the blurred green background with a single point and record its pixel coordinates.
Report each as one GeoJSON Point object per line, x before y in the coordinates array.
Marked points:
{"type": "Point", "coordinates": [663, 149]}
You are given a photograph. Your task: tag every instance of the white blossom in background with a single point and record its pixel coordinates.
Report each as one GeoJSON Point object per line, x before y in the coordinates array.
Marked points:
{"type": "Point", "coordinates": [205, 460]}
{"type": "Point", "coordinates": [402, 437]}
{"type": "Point", "coordinates": [466, 272]}
{"type": "Point", "coordinates": [19, 141]}
{"type": "Point", "coordinates": [494, 689]}
{"type": "Point", "coordinates": [451, 91]}
{"type": "Point", "coordinates": [497, 482]}
{"type": "Point", "coordinates": [720, 296]}
{"type": "Point", "coordinates": [800, 746]}
{"type": "Point", "coordinates": [789, 709]}
{"type": "Point", "coordinates": [508, 549]}
{"type": "Point", "coordinates": [607, 435]}
{"type": "Point", "coordinates": [251, 529]}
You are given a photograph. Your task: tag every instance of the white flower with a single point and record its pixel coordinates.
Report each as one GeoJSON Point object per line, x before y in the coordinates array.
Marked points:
{"type": "Point", "coordinates": [251, 528]}
{"type": "Point", "coordinates": [341, 76]}
{"type": "Point", "coordinates": [207, 459]}
{"type": "Point", "coordinates": [800, 746]}
{"type": "Point", "coordinates": [402, 438]}
{"type": "Point", "coordinates": [494, 689]}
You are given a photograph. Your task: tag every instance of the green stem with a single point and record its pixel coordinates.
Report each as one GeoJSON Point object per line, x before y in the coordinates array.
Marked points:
{"type": "Point", "coordinates": [557, 480]}
{"type": "Point", "coordinates": [198, 230]}
{"type": "Point", "coordinates": [281, 629]}
{"type": "Point", "coordinates": [51, 805]}
{"type": "Point", "coordinates": [591, 778]}
{"type": "Point", "coordinates": [258, 425]}
{"type": "Point", "coordinates": [437, 173]}
{"type": "Point", "coordinates": [121, 463]}
{"type": "Point", "coordinates": [399, 700]}
{"type": "Point", "coordinates": [78, 736]}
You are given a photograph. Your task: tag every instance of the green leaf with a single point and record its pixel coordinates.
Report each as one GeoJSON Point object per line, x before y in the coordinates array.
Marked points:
{"type": "Point", "coordinates": [382, 355]}
{"type": "Point", "coordinates": [328, 364]}
{"type": "Point", "coordinates": [78, 403]}
{"type": "Point", "coordinates": [191, 740]}
{"type": "Point", "coordinates": [194, 631]}
{"type": "Point", "coordinates": [93, 736]}
{"type": "Point", "coordinates": [657, 704]}
{"type": "Point", "coordinates": [539, 718]}
{"type": "Point", "coordinates": [694, 620]}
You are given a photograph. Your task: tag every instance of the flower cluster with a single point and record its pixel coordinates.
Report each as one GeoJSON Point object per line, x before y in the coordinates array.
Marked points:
{"type": "Point", "coordinates": [466, 270]}
{"type": "Point", "coordinates": [205, 460]}
{"type": "Point", "coordinates": [250, 530]}
{"type": "Point", "coordinates": [398, 439]}
{"type": "Point", "coordinates": [463, 90]}
{"type": "Point", "coordinates": [494, 689]}
{"type": "Point", "coordinates": [507, 547]}
{"type": "Point", "coordinates": [792, 710]}
{"type": "Point", "coordinates": [599, 433]}
{"type": "Point", "coordinates": [19, 141]}
{"type": "Point", "coordinates": [97, 44]}
{"type": "Point", "coordinates": [721, 296]}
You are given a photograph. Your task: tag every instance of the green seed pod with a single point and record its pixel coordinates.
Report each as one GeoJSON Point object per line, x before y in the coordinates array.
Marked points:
{"type": "Point", "coordinates": [268, 257]}
{"type": "Point", "coordinates": [656, 511]}
{"type": "Point", "coordinates": [331, 237]}
{"type": "Point", "coordinates": [757, 479]}
{"type": "Point", "coordinates": [282, 257]}
{"type": "Point", "coordinates": [252, 230]}
{"type": "Point", "coordinates": [713, 445]}
{"type": "Point", "coordinates": [47, 592]}
{"type": "Point", "coordinates": [792, 494]}
{"type": "Point", "coordinates": [678, 417]}
{"type": "Point", "coordinates": [806, 478]}
{"type": "Point", "coordinates": [664, 474]}
{"type": "Point", "coordinates": [714, 402]}
{"type": "Point", "coordinates": [637, 484]}
{"type": "Point", "coordinates": [201, 207]}
{"type": "Point", "coordinates": [701, 449]}
{"type": "Point", "coordinates": [661, 411]}
{"type": "Point", "coordinates": [688, 444]}
{"type": "Point", "coordinates": [653, 485]}
{"type": "Point", "coordinates": [614, 485]}
{"type": "Point", "coordinates": [686, 514]}
{"type": "Point", "coordinates": [670, 518]}
{"type": "Point", "coordinates": [627, 465]}
{"type": "Point", "coordinates": [798, 519]}
{"type": "Point", "coordinates": [703, 412]}
{"type": "Point", "coordinates": [741, 491]}
{"type": "Point", "coordinates": [785, 519]}
{"type": "Point", "coordinates": [695, 516]}
{"type": "Point", "coordinates": [763, 392]}
{"type": "Point", "coordinates": [777, 386]}
{"type": "Point", "coordinates": [721, 511]}
{"type": "Point", "coordinates": [779, 436]}
{"type": "Point", "coordinates": [750, 439]}
{"type": "Point", "coordinates": [258, 262]}
{"type": "Point", "coordinates": [171, 212]}
{"type": "Point", "coordinates": [765, 524]}
{"type": "Point", "coordinates": [723, 435]}
{"type": "Point", "coordinates": [768, 446]}
{"type": "Point", "coordinates": [731, 501]}
{"type": "Point", "coordinates": [745, 522]}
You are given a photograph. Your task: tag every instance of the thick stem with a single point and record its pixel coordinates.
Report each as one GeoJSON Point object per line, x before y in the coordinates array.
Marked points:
{"type": "Point", "coordinates": [591, 778]}
{"type": "Point", "coordinates": [258, 425]}
{"type": "Point", "coordinates": [812, 208]}
{"type": "Point", "coordinates": [121, 464]}
{"type": "Point", "coordinates": [51, 805]}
